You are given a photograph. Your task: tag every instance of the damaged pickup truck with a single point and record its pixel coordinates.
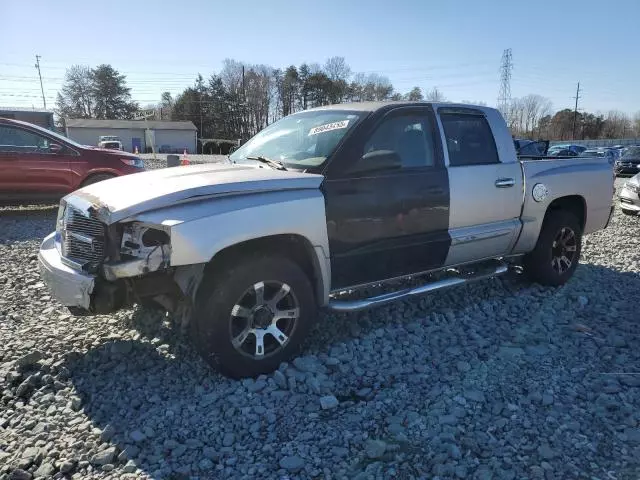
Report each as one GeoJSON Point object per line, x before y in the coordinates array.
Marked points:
{"type": "Point", "coordinates": [312, 209]}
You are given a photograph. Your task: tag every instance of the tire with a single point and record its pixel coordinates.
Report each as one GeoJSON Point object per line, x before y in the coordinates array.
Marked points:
{"type": "Point", "coordinates": [561, 232]}
{"type": "Point", "coordinates": [227, 307]}
{"type": "Point", "coordinates": [629, 212]}
{"type": "Point", "coordinates": [98, 177]}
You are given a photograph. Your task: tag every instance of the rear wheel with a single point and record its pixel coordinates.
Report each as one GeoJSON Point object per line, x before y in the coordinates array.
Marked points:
{"type": "Point", "coordinates": [557, 252]}
{"type": "Point", "coordinates": [99, 177]}
{"type": "Point", "coordinates": [253, 315]}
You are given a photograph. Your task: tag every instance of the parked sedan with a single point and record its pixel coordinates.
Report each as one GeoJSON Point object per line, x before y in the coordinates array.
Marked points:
{"type": "Point", "coordinates": [578, 149]}
{"type": "Point", "coordinates": [629, 162]}
{"type": "Point", "coordinates": [629, 196]}
{"type": "Point", "coordinates": [38, 165]}
{"type": "Point", "coordinates": [600, 152]}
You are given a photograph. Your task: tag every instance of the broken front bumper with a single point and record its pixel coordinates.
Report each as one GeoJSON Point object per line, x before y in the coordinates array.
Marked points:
{"type": "Point", "coordinates": [70, 287]}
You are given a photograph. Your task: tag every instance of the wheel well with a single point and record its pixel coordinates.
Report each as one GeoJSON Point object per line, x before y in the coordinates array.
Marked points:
{"type": "Point", "coordinates": [296, 247]}
{"type": "Point", "coordinates": [572, 203]}
{"type": "Point", "coordinates": [94, 175]}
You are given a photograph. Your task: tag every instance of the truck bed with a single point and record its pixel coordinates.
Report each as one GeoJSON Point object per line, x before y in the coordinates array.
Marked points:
{"type": "Point", "coordinates": [573, 175]}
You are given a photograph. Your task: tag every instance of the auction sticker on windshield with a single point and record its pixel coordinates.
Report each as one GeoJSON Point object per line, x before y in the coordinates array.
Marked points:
{"type": "Point", "coordinates": [328, 127]}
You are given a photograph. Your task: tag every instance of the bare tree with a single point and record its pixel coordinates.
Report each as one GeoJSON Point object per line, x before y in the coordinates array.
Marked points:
{"type": "Point", "coordinates": [636, 124]}
{"type": "Point", "coordinates": [76, 99]}
{"type": "Point", "coordinates": [337, 69]}
{"type": "Point", "coordinates": [530, 109]}
{"type": "Point", "coordinates": [435, 95]}
{"type": "Point", "coordinates": [616, 125]}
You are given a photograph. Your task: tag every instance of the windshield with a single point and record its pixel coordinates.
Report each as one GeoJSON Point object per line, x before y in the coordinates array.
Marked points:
{"type": "Point", "coordinates": [632, 152]}
{"type": "Point", "coordinates": [304, 139]}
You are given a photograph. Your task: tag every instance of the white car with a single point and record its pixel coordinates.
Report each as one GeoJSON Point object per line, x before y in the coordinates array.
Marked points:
{"type": "Point", "coordinates": [630, 196]}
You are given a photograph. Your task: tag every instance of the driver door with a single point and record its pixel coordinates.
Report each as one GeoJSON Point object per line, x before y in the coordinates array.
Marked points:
{"type": "Point", "coordinates": [389, 219]}
{"type": "Point", "coordinates": [30, 166]}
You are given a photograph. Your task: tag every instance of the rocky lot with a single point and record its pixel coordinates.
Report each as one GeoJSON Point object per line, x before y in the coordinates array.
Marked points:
{"type": "Point", "coordinates": [501, 379]}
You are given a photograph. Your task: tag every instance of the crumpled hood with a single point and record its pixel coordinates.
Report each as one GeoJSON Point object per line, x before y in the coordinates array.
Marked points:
{"type": "Point", "coordinates": [122, 197]}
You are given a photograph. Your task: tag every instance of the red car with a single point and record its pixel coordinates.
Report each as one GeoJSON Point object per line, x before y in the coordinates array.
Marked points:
{"type": "Point", "coordinates": [38, 165]}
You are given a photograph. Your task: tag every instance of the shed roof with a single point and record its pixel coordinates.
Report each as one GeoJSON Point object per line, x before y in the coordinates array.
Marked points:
{"type": "Point", "coordinates": [129, 124]}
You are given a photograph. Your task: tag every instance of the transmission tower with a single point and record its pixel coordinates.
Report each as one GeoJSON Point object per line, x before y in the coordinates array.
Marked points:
{"type": "Point", "coordinates": [504, 97]}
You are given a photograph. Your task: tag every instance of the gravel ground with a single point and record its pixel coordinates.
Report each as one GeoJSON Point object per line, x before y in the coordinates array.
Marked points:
{"type": "Point", "coordinates": [501, 379]}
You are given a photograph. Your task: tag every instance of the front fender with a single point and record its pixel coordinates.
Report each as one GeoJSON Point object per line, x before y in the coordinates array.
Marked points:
{"type": "Point", "coordinates": [201, 229]}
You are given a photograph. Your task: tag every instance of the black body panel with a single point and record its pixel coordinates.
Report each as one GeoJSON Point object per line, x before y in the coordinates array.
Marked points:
{"type": "Point", "coordinates": [386, 223]}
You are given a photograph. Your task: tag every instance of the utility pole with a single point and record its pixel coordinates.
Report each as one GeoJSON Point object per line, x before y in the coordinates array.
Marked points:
{"type": "Point", "coordinates": [575, 111]}
{"type": "Point", "coordinates": [40, 75]}
{"type": "Point", "coordinates": [243, 106]}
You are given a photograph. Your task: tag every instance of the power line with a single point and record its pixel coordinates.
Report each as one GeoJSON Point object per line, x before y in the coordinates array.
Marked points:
{"type": "Point", "coordinates": [40, 75]}
{"type": "Point", "coordinates": [504, 96]}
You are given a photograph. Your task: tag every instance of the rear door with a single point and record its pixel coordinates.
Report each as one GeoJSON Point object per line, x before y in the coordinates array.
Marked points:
{"type": "Point", "coordinates": [387, 219]}
{"type": "Point", "coordinates": [31, 165]}
{"type": "Point", "coordinates": [486, 185]}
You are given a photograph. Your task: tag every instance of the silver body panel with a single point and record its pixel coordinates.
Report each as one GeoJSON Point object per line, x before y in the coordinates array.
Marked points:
{"type": "Point", "coordinates": [201, 229]}
{"type": "Point", "coordinates": [122, 197]}
{"type": "Point", "coordinates": [487, 215]}
{"type": "Point", "coordinates": [589, 178]}
{"type": "Point", "coordinates": [484, 214]}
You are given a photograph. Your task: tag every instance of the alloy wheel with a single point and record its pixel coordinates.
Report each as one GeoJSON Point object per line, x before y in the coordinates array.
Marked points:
{"type": "Point", "coordinates": [263, 319]}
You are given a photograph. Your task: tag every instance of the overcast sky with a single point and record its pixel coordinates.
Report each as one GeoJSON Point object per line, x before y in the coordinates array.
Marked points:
{"type": "Point", "coordinates": [454, 45]}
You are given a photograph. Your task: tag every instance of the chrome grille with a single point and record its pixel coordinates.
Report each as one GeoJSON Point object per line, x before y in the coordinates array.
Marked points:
{"type": "Point", "coordinates": [83, 237]}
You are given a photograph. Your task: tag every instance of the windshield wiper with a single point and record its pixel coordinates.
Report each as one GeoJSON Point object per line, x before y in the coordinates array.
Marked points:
{"type": "Point", "coordinates": [272, 163]}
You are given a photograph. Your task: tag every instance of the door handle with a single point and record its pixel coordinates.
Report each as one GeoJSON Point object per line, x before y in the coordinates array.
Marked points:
{"type": "Point", "coordinates": [505, 182]}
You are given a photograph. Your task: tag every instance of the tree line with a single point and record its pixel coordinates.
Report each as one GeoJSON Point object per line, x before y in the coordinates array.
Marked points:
{"type": "Point", "coordinates": [533, 117]}
{"type": "Point", "coordinates": [241, 99]}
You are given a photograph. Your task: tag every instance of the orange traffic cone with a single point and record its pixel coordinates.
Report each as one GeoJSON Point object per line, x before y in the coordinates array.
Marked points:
{"type": "Point", "coordinates": [185, 159]}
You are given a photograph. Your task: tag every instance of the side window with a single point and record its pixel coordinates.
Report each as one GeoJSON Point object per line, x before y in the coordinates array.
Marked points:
{"type": "Point", "coordinates": [14, 139]}
{"type": "Point", "coordinates": [469, 140]}
{"type": "Point", "coordinates": [408, 136]}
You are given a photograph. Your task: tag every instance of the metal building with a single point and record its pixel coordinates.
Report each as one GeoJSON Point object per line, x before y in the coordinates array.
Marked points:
{"type": "Point", "coordinates": [163, 136]}
{"type": "Point", "coordinates": [37, 116]}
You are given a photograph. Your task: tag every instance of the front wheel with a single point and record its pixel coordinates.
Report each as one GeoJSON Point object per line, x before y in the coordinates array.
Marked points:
{"type": "Point", "coordinates": [253, 314]}
{"type": "Point", "coordinates": [557, 252]}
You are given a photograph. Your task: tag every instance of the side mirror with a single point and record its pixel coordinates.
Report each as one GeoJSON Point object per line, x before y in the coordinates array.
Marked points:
{"type": "Point", "coordinates": [55, 148]}
{"type": "Point", "coordinates": [377, 160]}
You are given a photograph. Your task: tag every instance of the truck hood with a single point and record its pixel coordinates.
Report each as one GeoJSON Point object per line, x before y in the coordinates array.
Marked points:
{"type": "Point", "coordinates": [122, 197]}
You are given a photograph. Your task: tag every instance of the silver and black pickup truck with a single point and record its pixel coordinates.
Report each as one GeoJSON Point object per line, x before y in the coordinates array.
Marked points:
{"type": "Point", "coordinates": [314, 207]}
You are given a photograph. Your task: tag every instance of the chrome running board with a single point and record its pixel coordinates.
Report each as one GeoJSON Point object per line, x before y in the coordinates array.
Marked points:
{"type": "Point", "coordinates": [336, 305]}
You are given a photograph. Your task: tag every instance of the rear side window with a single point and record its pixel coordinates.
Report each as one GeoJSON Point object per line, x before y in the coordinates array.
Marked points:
{"type": "Point", "coordinates": [17, 140]}
{"type": "Point", "coordinates": [469, 140]}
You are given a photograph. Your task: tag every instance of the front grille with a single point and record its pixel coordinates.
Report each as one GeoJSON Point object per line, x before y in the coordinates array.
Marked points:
{"type": "Point", "coordinates": [83, 238]}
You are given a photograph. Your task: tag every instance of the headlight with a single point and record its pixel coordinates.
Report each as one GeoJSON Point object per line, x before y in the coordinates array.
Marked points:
{"type": "Point", "coordinates": [60, 217]}
{"type": "Point", "coordinates": [133, 162]}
